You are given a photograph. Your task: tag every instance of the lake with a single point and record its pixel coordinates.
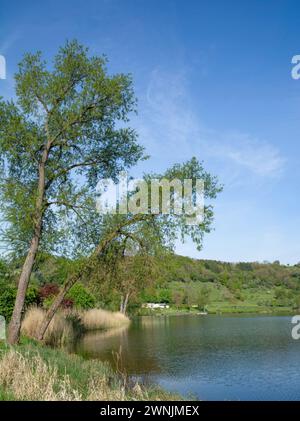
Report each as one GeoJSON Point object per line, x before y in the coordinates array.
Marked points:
{"type": "Point", "coordinates": [206, 357]}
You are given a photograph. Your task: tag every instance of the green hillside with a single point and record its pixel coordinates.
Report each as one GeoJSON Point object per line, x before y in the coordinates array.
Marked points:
{"type": "Point", "coordinates": [185, 284]}
{"type": "Point", "coordinates": [220, 287]}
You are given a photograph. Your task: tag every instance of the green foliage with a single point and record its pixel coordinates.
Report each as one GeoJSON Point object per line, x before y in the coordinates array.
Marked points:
{"type": "Point", "coordinates": [164, 295]}
{"type": "Point", "coordinates": [32, 296]}
{"type": "Point", "coordinates": [7, 300]}
{"type": "Point", "coordinates": [245, 266]}
{"type": "Point", "coordinates": [203, 297]}
{"type": "Point", "coordinates": [77, 111]}
{"type": "Point", "coordinates": [5, 275]}
{"type": "Point", "coordinates": [47, 302]}
{"type": "Point", "coordinates": [221, 286]}
{"type": "Point", "coordinates": [81, 297]}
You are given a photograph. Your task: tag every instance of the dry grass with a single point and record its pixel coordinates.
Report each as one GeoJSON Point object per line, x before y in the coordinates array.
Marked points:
{"type": "Point", "coordinates": [59, 330]}
{"type": "Point", "coordinates": [103, 319]}
{"type": "Point", "coordinates": [40, 373]}
{"type": "Point", "coordinates": [33, 379]}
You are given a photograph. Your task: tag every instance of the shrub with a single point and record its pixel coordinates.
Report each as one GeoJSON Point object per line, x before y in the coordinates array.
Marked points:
{"type": "Point", "coordinates": [7, 302]}
{"type": "Point", "coordinates": [164, 296]}
{"type": "Point", "coordinates": [8, 297]}
{"type": "Point", "coordinates": [67, 303]}
{"type": "Point", "coordinates": [81, 297]}
{"type": "Point", "coordinates": [32, 297]}
{"type": "Point", "coordinates": [47, 302]}
{"type": "Point", "coordinates": [48, 290]}
{"type": "Point", "coordinates": [47, 294]}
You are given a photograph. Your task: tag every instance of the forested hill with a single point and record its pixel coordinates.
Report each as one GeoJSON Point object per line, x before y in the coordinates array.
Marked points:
{"type": "Point", "coordinates": [185, 284]}
{"type": "Point", "coordinates": [233, 287]}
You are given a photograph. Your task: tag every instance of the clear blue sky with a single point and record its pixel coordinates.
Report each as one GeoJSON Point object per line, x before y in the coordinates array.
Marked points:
{"type": "Point", "coordinates": [213, 80]}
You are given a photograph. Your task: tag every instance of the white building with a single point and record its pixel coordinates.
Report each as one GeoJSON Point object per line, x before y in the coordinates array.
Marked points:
{"type": "Point", "coordinates": [155, 305]}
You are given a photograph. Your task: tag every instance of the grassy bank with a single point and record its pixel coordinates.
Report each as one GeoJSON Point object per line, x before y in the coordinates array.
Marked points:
{"type": "Point", "coordinates": [219, 308]}
{"type": "Point", "coordinates": [34, 372]}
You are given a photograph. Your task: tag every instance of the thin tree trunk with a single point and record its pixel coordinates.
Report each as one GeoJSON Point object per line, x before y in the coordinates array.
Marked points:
{"type": "Point", "coordinates": [121, 304]}
{"type": "Point", "coordinates": [15, 323]}
{"type": "Point", "coordinates": [54, 307]}
{"type": "Point", "coordinates": [125, 303]}
{"type": "Point", "coordinates": [83, 271]}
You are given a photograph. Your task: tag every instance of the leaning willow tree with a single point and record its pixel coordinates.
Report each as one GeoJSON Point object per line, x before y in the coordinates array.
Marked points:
{"type": "Point", "coordinates": [152, 234]}
{"type": "Point", "coordinates": [66, 129]}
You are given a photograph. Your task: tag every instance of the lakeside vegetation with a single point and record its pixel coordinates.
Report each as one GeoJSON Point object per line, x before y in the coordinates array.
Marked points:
{"type": "Point", "coordinates": [186, 285]}
{"type": "Point", "coordinates": [35, 372]}
{"type": "Point", "coordinates": [68, 324]}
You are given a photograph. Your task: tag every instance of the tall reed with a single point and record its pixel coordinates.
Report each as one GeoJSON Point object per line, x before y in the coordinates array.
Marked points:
{"type": "Point", "coordinates": [102, 319]}
{"type": "Point", "coordinates": [59, 331]}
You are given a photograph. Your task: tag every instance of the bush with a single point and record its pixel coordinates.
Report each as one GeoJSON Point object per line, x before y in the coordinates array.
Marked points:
{"type": "Point", "coordinates": [67, 303]}
{"type": "Point", "coordinates": [8, 297]}
{"type": "Point", "coordinates": [164, 296]}
{"type": "Point", "coordinates": [7, 302]}
{"type": "Point", "coordinates": [81, 297]}
{"type": "Point", "coordinates": [48, 290]}
{"type": "Point", "coordinates": [32, 297]}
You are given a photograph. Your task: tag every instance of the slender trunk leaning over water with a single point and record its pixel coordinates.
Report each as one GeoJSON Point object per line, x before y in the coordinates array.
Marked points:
{"type": "Point", "coordinates": [84, 270]}
{"type": "Point", "coordinates": [124, 303]}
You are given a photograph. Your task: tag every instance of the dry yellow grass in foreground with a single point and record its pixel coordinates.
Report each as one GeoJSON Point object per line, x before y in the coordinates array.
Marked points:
{"type": "Point", "coordinates": [33, 379]}
{"type": "Point", "coordinates": [33, 372]}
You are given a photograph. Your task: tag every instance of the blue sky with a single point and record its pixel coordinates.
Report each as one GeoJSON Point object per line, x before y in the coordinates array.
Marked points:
{"type": "Point", "coordinates": [213, 79]}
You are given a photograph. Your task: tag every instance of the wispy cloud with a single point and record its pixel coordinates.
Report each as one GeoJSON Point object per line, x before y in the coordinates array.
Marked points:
{"type": "Point", "coordinates": [169, 124]}
{"type": "Point", "coordinates": [9, 41]}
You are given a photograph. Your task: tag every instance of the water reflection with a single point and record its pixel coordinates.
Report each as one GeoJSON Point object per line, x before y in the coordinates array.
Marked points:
{"type": "Point", "coordinates": [119, 347]}
{"type": "Point", "coordinates": [212, 357]}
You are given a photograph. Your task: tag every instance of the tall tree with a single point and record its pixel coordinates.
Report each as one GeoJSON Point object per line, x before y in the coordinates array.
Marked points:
{"type": "Point", "coordinates": [151, 231]}
{"type": "Point", "coordinates": [66, 130]}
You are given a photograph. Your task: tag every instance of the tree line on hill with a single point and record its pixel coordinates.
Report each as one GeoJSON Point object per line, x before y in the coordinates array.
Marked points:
{"type": "Point", "coordinates": [179, 281]}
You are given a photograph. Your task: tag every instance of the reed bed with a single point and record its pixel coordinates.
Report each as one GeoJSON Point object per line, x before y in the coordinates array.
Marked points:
{"type": "Point", "coordinates": [103, 319]}
{"type": "Point", "coordinates": [60, 329]}
{"type": "Point", "coordinates": [65, 324]}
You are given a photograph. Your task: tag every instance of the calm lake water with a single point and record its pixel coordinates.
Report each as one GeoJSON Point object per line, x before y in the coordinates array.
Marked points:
{"type": "Point", "coordinates": [206, 357]}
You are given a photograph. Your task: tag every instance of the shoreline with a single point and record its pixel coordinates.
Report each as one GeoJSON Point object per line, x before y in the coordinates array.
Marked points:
{"type": "Point", "coordinates": [31, 371]}
{"type": "Point", "coordinates": [226, 312]}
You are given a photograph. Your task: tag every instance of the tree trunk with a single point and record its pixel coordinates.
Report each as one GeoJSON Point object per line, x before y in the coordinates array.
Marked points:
{"type": "Point", "coordinates": [84, 270]}
{"type": "Point", "coordinates": [121, 304]}
{"type": "Point", "coordinates": [15, 323]}
{"type": "Point", "coordinates": [125, 303]}
{"type": "Point", "coordinates": [54, 307]}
